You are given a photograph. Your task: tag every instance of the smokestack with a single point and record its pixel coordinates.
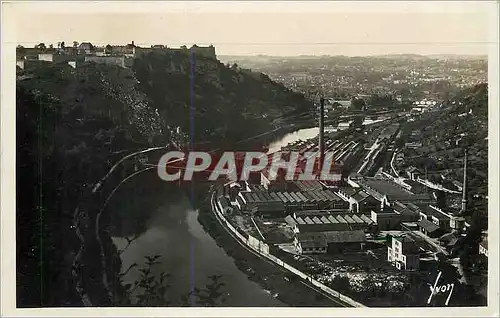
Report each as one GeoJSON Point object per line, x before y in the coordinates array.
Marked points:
{"type": "Point", "coordinates": [321, 132]}
{"type": "Point", "coordinates": [464, 187]}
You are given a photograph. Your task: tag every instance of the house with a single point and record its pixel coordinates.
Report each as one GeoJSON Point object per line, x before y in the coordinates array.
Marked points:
{"type": "Point", "coordinates": [483, 246]}
{"type": "Point", "coordinates": [428, 228]}
{"type": "Point", "coordinates": [224, 205]}
{"type": "Point", "coordinates": [86, 48]}
{"type": "Point", "coordinates": [435, 215]}
{"type": "Point", "coordinates": [413, 172]}
{"type": "Point", "coordinates": [310, 243]}
{"type": "Point", "coordinates": [404, 253]}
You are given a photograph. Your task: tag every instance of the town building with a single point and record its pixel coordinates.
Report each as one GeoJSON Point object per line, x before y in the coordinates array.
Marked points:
{"type": "Point", "coordinates": [413, 173]}
{"type": "Point", "coordinates": [310, 243]}
{"type": "Point", "coordinates": [55, 58]}
{"type": "Point", "coordinates": [364, 203]}
{"type": "Point", "coordinates": [407, 213]}
{"type": "Point", "coordinates": [86, 48]}
{"type": "Point", "coordinates": [428, 228]}
{"type": "Point", "coordinates": [340, 103]}
{"type": "Point", "coordinates": [434, 215]}
{"type": "Point", "coordinates": [404, 253]}
{"type": "Point", "coordinates": [386, 219]}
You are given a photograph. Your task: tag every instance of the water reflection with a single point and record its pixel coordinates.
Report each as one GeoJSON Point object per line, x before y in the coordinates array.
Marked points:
{"type": "Point", "coordinates": [187, 252]}
{"type": "Point", "coordinates": [302, 134]}
{"type": "Point", "coordinates": [190, 255]}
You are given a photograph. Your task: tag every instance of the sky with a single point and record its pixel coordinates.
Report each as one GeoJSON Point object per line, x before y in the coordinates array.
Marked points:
{"type": "Point", "coordinates": [269, 28]}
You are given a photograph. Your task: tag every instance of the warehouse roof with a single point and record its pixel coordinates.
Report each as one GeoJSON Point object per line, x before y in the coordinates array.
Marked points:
{"type": "Point", "coordinates": [345, 236]}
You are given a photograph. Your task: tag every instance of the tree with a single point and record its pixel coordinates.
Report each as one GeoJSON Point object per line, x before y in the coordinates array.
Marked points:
{"type": "Point", "coordinates": [75, 44]}
{"type": "Point", "coordinates": [62, 45]}
{"type": "Point", "coordinates": [40, 46]}
{"type": "Point", "coordinates": [51, 46]}
{"type": "Point", "coordinates": [153, 288]}
{"type": "Point", "coordinates": [211, 295]}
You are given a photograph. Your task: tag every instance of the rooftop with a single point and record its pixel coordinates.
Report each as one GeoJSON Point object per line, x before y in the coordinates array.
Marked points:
{"type": "Point", "coordinates": [385, 187]}
{"type": "Point", "coordinates": [428, 226]}
{"type": "Point", "coordinates": [345, 236]}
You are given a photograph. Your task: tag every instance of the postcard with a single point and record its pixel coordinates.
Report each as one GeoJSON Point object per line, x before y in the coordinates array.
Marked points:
{"type": "Point", "coordinates": [315, 158]}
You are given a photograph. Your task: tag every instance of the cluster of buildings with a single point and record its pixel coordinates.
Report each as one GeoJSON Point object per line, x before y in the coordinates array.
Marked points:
{"type": "Point", "coordinates": [332, 219]}
{"type": "Point", "coordinates": [422, 106]}
{"type": "Point", "coordinates": [121, 55]}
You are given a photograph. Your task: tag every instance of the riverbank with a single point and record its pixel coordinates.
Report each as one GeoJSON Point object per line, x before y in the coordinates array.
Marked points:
{"type": "Point", "coordinates": [128, 216]}
{"type": "Point", "coordinates": [286, 287]}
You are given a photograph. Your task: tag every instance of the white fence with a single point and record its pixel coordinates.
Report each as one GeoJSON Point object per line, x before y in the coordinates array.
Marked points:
{"type": "Point", "coordinates": [263, 249]}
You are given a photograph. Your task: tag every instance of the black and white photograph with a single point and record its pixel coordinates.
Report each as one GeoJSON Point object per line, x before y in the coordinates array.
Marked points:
{"type": "Point", "coordinates": [270, 156]}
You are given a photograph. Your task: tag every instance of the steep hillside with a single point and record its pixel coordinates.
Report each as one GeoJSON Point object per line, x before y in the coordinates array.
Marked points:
{"type": "Point", "coordinates": [461, 123]}
{"type": "Point", "coordinates": [73, 124]}
{"type": "Point", "coordinates": [227, 104]}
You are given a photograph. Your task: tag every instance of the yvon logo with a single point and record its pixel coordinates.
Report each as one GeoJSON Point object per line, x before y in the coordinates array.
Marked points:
{"type": "Point", "coordinates": [448, 288]}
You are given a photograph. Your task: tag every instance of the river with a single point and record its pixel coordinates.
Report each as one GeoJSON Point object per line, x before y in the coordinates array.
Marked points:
{"type": "Point", "coordinates": [190, 254]}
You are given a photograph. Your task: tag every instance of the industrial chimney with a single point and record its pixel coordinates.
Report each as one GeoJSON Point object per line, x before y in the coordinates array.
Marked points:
{"type": "Point", "coordinates": [321, 145]}
{"type": "Point", "coordinates": [464, 187]}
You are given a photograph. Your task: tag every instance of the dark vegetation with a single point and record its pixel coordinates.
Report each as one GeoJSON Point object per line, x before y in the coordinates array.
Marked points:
{"type": "Point", "coordinates": [74, 124]}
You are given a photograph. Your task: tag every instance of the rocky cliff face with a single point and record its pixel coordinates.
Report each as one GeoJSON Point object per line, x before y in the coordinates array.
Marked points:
{"type": "Point", "coordinates": [74, 124]}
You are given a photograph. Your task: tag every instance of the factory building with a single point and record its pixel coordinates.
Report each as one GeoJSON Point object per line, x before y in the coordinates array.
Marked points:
{"type": "Point", "coordinates": [260, 204]}
{"type": "Point", "coordinates": [387, 192]}
{"type": "Point", "coordinates": [329, 242]}
{"type": "Point", "coordinates": [386, 219]}
{"type": "Point", "coordinates": [320, 221]}
{"type": "Point", "coordinates": [295, 201]}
